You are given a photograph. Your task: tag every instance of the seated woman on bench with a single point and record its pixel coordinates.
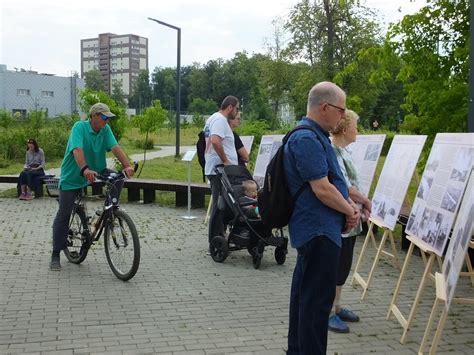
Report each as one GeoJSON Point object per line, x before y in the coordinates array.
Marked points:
{"type": "Point", "coordinates": [30, 177]}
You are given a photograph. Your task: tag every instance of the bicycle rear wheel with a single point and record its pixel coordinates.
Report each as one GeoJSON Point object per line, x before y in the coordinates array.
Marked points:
{"type": "Point", "coordinates": [122, 247]}
{"type": "Point", "coordinates": [77, 238]}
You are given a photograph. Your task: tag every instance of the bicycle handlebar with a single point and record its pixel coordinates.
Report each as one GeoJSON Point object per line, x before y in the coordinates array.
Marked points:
{"type": "Point", "coordinates": [113, 177]}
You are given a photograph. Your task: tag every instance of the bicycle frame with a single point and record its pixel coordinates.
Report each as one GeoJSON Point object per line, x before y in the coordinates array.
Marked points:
{"type": "Point", "coordinates": [121, 240]}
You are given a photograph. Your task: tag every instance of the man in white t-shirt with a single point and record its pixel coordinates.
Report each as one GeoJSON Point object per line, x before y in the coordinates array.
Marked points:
{"type": "Point", "coordinates": [220, 149]}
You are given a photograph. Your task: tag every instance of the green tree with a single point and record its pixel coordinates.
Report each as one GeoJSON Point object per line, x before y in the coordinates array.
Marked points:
{"type": "Point", "coordinates": [117, 93]}
{"type": "Point", "coordinates": [94, 80]}
{"type": "Point", "coordinates": [6, 119]}
{"type": "Point", "coordinates": [204, 107]}
{"type": "Point", "coordinates": [150, 121]}
{"type": "Point", "coordinates": [198, 120]}
{"type": "Point", "coordinates": [434, 45]}
{"type": "Point", "coordinates": [371, 85]}
{"type": "Point", "coordinates": [163, 82]}
{"type": "Point", "coordinates": [142, 93]}
{"type": "Point", "coordinates": [329, 33]}
{"type": "Point", "coordinates": [276, 73]}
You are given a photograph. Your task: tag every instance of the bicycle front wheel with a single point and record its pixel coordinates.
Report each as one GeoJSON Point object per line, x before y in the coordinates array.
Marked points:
{"type": "Point", "coordinates": [122, 247]}
{"type": "Point", "coordinates": [77, 243]}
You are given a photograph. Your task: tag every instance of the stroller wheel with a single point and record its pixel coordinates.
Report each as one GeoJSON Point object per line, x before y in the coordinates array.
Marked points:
{"type": "Point", "coordinates": [219, 249]}
{"type": "Point", "coordinates": [280, 255]}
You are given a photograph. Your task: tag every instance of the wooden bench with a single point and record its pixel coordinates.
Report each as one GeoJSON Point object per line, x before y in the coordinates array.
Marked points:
{"type": "Point", "coordinates": [149, 187]}
{"type": "Point", "coordinates": [6, 179]}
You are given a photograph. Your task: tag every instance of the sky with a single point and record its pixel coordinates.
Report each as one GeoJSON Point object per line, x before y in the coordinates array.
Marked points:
{"type": "Point", "coordinates": [44, 35]}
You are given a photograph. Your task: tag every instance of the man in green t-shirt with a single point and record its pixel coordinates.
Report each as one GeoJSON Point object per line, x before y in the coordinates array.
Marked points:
{"type": "Point", "coordinates": [84, 157]}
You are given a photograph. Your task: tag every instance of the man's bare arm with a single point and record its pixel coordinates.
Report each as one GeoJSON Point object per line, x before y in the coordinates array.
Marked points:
{"type": "Point", "coordinates": [216, 142]}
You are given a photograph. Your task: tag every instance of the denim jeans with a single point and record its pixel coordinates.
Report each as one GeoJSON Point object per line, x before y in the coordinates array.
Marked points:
{"type": "Point", "coordinates": [312, 293]}
{"type": "Point", "coordinates": [31, 178]}
{"type": "Point", "coordinates": [215, 219]}
{"type": "Point", "coordinates": [61, 221]}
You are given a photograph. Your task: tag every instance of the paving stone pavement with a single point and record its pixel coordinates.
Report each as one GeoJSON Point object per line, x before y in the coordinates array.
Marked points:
{"type": "Point", "coordinates": [180, 301]}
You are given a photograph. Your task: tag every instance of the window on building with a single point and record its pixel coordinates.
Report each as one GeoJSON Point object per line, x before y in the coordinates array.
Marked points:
{"type": "Point", "coordinates": [47, 93]}
{"type": "Point", "coordinates": [23, 92]}
{"type": "Point", "coordinates": [19, 112]}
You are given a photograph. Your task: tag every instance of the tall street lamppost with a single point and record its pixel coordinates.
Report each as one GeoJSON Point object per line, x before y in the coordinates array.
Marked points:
{"type": "Point", "coordinates": [178, 78]}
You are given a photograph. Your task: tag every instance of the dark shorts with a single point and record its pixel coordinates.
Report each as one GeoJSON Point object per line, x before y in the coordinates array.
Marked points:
{"type": "Point", "coordinates": [345, 259]}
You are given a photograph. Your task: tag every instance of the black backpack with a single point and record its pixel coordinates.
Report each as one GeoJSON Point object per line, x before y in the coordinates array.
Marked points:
{"type": "Point", "coordinates": [275, 202]}
{"type": "Point", "coordinates": [201, 149]}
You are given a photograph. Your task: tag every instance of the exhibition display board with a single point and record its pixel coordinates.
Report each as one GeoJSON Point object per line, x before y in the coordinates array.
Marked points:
{"type": "Point", "coordinates": [268, 148]}
{"type": "Point", "coordinates": [441, 189]}
{"type": "Point", "coordinates": [394, 179]}
{"type": "Point", "coordinates": [447, 280]}
{"type": "Point", "coordinates": [387, 201]}
{"type": "Point", "coordinates": [431, 218]}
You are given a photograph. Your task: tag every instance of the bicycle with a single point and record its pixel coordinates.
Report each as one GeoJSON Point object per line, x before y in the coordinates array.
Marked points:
{"type": "Point", "coordinates": [122, 246]}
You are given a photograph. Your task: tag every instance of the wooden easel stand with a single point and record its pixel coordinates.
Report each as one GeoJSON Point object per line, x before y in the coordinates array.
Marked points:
{"type": "Point", "coordinates": [380, 250]}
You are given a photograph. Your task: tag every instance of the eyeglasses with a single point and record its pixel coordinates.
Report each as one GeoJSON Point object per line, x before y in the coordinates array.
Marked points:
{"type": "Point", "coordinates": [104, 117]}
{"type": "Point", "coordinates": [339, 108]}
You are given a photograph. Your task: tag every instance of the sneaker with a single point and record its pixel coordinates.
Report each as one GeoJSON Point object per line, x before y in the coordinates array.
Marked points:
{"type": "Point", "coordinates": [347, 315]}
{"type": "Point", "coordinates": [22, 196]}
{"type": "Point", "coordinates": [28, 196]}
{"type": "Point", "coordinates": [337, 325]}
{"type": "Point", "coordinates": [55, 263]}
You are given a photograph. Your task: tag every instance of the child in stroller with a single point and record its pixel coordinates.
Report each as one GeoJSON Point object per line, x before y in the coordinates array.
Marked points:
{"type": "Point", "coordinates": [236, 225]}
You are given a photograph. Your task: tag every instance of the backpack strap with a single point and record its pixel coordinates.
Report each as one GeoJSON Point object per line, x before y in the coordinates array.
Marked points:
{"type": "Point", "coordinates": [285, 140]}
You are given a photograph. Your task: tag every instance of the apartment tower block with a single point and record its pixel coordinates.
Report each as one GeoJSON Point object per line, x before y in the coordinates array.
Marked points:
{"type": "Point", "coordinates": [117, 57]}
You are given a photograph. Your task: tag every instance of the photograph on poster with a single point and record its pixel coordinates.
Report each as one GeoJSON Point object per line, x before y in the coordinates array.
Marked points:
{"type": "Point", "coordinates": [430, 226]}
{"type": "Point", "coordinates": [450, 287]}
{"type": "Point", "coordinates": [423, 226]}
{"type": "Point", "coordinates": [265, 149]}
{"type": "Point", "coordinates": [462, 164]}
{"type": "Point", "coordinates": [372, 152]}
{"type": "Point", "coordinates": [441, 237]}
{"type": "Point", "coordinates": [424, 188]}
{"type": "Point", "coordinates": [385, 210]}
{"type": "Point", "coordinates": [451, 198]}
{"type": "Point", "coordinates": [466, 234]}
{"type": "Point", "coordinates": [433, 161]}
{"type": "Point", "coordinates": [413, 221]}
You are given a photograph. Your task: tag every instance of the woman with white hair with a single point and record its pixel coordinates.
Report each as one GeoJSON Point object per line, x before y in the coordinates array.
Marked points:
{"type": "Point", "coordinates": [344, 134]}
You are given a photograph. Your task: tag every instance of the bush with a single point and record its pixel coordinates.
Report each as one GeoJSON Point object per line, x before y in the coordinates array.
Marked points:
{"type": "Point", "coordinates": [198, 120]}
{"type": "Point", "coordinates": [53, 140]}
{"type": "Point", "coordinates": [144, 144]}
{"type": "Point", "coordinates": [13, 143]}
{"type": "Point", "coordinates": [255, 128]}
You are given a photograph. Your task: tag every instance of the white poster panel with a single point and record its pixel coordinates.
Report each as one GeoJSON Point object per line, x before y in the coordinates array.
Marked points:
{"type": "Point", "coordinates": [268, 147]}
{"type": "Point", "coordinates": [365, 152]}
{"type": "Point", "coordinates": [457, 249]}
{"type": "Point", "coordinates": [394, 179]}
{"type": "Point", "coordinates": [441, 189]}
{"type": "Point", "coordinates": [247, 141]}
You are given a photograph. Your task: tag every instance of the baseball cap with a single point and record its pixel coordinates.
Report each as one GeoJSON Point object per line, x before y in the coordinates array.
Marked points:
{"type": "Point", "coordinates": [101, 108]}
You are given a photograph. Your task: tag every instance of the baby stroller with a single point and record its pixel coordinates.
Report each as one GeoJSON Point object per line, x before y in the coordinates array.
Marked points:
{"type": "Point", "coordinates": [232, 229]}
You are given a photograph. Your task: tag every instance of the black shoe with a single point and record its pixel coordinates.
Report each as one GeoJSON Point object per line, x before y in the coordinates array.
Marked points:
{"type": "Point", "coordinates": [55, 264]}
